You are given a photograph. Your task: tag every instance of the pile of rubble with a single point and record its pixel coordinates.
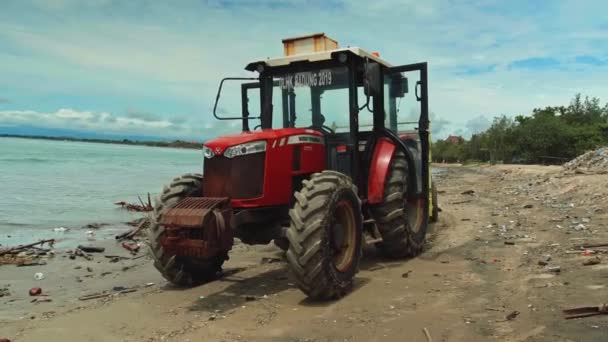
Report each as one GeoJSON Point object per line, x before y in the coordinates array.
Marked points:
{"type": "Point", "coordinates": [592, 162]}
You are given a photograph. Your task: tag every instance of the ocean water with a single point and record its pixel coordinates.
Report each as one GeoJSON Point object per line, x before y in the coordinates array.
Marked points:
{"type": "Point", "coordinates": [48, 184]}
{"type": "Point", "coordinates": [51, 184]}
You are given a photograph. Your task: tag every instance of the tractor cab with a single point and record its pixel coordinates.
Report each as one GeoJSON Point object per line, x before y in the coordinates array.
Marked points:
{"type": "Point", "coordinates": [326, 160]}
{"type": "Point", "coordinates": [349, 97]}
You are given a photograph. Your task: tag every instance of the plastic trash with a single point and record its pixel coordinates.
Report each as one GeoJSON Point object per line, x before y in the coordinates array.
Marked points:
{"type": "Point", "coordinates": [38, 275]}
{"type": "Point", "coordinates": [35, 291]}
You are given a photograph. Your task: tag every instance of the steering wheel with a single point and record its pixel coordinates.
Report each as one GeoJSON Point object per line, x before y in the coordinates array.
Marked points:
{"type": "Point", "coordinates": [324, 128]}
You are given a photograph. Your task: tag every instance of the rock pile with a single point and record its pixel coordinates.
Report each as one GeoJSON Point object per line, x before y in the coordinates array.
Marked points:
{"type": "Point", "coordinates": [590, 162]}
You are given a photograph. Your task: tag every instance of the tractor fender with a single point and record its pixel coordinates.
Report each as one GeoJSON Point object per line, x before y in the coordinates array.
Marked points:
{"type": "Point", "coordinates": [381, 160]}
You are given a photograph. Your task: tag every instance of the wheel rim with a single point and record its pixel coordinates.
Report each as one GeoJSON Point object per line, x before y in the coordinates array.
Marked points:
{"type": "Point", "coordinates": [343, 235]}
{"type": "Point", "coordinates": [415, 214]}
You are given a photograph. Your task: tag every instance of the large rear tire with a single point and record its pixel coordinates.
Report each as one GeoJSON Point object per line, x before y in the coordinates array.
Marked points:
{"type": "Point", "coordinates": [325, 235]}
{"type": "Point", "coordinates": [401, 223]}
{"type": "Point", "coordinates": [179, 271]}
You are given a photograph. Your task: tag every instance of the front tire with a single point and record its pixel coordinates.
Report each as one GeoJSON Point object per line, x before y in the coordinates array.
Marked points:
{"type": "Point", "coordinates": [180, 271]}
{"type": "Point", "coordinates": [325, 235]}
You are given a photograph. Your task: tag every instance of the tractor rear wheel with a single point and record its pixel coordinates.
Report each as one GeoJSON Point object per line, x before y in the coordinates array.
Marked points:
{"type": "Point", "coordinates": [401, 220]}
{"type": "Point", "coordinates": [180, 271]}
{"type": "Point", "coordinates": [325, 235]}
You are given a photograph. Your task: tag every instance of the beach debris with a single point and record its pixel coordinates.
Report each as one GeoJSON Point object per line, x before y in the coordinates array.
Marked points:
{"type": "Point", "coordinates": [4, 292]}
{"type": "Point", "coordinates": [35, 291]}
{"type": "Point", "coordinates": [554, 269]}
{"type": "Point", "coordinates": [95, 225]}
{"type": "Point", "coordinates": [20, 248]}
{"type": "Point", "coordinates": [4, 340]}
{"type": "Point", "coordinates": [91, 249]}
{"type": "Point", "coordinates": [544, 261]}
{"type": "Point", "coordinates": [137, 207]}
{"type": "Point", "coordinates": [511, 243]}
{"type": "Point", "coordinates": [120, 290]}
{"type": "Point", "coordinates": [528, 206]}
{"type": "Point", "coordinates": [132, 233]}
{"type": "Point", "coordinates": [512, 315]}
{"type": "Point", "coordinates": [60, 230]}
{"type": "Point", "coordinates": [41, 300]}
{"type": "Point", "coordinates": [26, 262]}
{"type": "Point", "coordinates": [79, 252]}
{"type": "Point", "coordinates": [586, 311]}
{"type": "Point", "coordinates": [38, 275]}
{"type": "Point", "coordinates": [136, 222]}
{"type": "Point", "coordinates": [579, 227]}
{"type": "Point", "coordinates": [131, 247]}
{"type": "Point", "coordinates": [594, 245]}
{"type": "Point", "coordinates": [462, 202]}
{"type": "Point", "coordinates": [468, 192]}
{"type": "Point", "coordinates": [427, 334]}
{"type": "Point", "coordinates": [592, 261]}
{"type": "Point", "coordinates": [116, 258]}
{"type": "Point", "coordinates": [592, 162]}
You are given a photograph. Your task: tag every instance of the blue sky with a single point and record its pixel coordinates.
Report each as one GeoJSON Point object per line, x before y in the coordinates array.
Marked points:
{"type": "Point", "coordinates": [152, 68]}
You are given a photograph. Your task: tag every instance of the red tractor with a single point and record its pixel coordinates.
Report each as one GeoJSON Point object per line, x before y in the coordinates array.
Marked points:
{"type": "Point", "coordinates": [324, 170]}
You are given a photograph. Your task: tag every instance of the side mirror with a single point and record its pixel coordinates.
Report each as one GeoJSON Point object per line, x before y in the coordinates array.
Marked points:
{"type": "Point", "coordinates": [399, 86]}
{"type": "Point", "coordinates": [372, 79]}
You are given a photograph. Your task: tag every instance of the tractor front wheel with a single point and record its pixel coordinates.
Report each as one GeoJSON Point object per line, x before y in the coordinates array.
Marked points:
{"type": "Point", "coordinates": [180, 271]}
{"type": "Point", "coordinates": [325, 235]}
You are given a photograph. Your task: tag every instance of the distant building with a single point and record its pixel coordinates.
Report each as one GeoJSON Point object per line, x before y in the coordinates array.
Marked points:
{"type": "Point", "coordinates": [454, 139]}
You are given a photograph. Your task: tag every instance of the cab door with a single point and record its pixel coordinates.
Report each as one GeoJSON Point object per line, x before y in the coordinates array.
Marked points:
{"type": "Point", "coordinates": [414, 132]}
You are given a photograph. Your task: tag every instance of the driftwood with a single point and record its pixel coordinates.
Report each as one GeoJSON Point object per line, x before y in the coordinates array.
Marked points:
{"type": "Point", "coordinates": [107, 294]}
{"type": "Point", "coordinates": [131, 233]}
{"type": "Point", "coordinates": [594, 245]}
{"type": "Point", "coordinates": [137, 207]}
{"type": "Point", "coordinates": [19, 248]}
{"type": "Point", "coordinates": [91, 249]}
{"type": "Point", "coordinates": [461, 202]}
{"type": "Point", "coordinates": [427, 334]}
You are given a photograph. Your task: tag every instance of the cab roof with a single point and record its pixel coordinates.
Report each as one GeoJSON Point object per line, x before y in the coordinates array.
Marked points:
{"type": "Point", "coordinates": [315, 57]}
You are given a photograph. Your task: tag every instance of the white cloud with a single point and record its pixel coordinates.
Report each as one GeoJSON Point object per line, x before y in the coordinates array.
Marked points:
{"type": "Point", "coordinates": [141, 54]}
{"type": "Point", "coordinates": [104, 122]}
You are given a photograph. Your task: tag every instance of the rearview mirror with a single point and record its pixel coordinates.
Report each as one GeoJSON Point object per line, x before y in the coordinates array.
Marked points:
{"type": "Point", "coordinates": [399, 86]}
{"type": "Point", "coordinates": [372, 79]}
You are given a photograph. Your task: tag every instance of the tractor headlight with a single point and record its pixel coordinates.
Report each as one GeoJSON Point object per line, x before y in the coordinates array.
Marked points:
{"type": "Point", "coordinates": [207, 152]}
{"type": "Point", "coordinates": [247, 148]}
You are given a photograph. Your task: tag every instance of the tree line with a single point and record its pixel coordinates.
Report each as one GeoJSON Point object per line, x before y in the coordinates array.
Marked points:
{"type": "Point", "coordinates": [548, 135]}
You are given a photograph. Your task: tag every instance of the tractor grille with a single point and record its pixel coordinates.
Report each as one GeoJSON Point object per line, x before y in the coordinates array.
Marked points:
{"type": "Point", "coordinates": [240, 177]}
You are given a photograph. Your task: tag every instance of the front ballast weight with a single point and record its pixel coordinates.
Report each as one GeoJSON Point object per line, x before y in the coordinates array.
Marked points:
{"type": "Point", "coordinates": [198, 227]}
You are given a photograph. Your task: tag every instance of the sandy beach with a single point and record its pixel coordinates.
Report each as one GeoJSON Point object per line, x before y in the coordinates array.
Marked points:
{"type": "Point", "coordinates": [489, 272]}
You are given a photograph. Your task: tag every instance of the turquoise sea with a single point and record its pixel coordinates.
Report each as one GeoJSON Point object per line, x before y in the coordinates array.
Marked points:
{"type": "Point", "coordinates": [52, 184]}
{"type": "Point", "coordinates": [46, 186]}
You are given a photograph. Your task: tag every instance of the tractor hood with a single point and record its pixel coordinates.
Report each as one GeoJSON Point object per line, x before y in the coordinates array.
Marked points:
{"type": "Point", "coordinates": [271, 136]}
